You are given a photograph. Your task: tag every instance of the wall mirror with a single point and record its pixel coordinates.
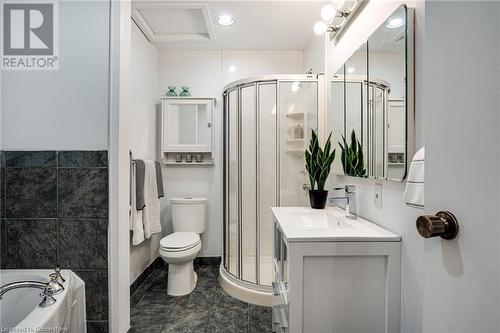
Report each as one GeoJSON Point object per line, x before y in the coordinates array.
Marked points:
{"type": "Point", "coordinates": [371, 103]}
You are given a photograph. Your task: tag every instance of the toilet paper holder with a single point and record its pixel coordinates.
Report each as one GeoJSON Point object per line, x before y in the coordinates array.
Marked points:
{"type": "Point", "coordinates": [443, 224]}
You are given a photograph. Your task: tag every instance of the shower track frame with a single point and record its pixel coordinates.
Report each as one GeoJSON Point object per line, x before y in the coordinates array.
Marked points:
{"type": "Point", "coordinates": [237, 86]}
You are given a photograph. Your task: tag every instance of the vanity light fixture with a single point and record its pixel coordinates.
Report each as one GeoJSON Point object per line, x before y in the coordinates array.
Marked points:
{"type": "Point", "coordinates": [396, 22]}
{"type": "Point", "coordinates": [335, 15]}
{"type": "Point", "coordinates": [225, 20]}
{"type": "Point", "coordinates": [328, 14]}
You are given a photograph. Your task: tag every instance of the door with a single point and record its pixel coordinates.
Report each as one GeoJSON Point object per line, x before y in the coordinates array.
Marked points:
{"type": "Point", "coordinates": [461, 286]}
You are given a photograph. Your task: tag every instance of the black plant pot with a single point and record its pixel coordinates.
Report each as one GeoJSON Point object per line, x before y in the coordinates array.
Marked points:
{"type": "Point", "coordinates": [317, 198]}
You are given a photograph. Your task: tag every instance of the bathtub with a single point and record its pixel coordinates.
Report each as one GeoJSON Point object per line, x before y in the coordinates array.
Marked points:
{"type": "Point", "coordinates": [19, 310]}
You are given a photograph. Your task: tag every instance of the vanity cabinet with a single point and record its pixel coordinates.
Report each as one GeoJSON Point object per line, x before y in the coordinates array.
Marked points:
{"type": "Point", "coordinates": [187, 130]}
{"type": "Point", "coordinates": [332, 274]}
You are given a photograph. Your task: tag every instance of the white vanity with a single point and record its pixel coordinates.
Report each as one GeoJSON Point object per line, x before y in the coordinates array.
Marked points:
{"type": "Point", "coordinates": [334, 274]}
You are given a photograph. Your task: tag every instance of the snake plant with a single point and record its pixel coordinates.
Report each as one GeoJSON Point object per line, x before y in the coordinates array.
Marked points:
{"type": "Point", "coordinates": [319, 161]}
{"type": "Point", "coordinates": [352, 157]}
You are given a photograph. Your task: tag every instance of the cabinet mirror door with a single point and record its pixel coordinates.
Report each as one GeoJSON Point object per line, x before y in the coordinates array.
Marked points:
{"type": "Point", "coordinates": [188, 125]}
{"type": "Point", "coordinates": [388, 67]}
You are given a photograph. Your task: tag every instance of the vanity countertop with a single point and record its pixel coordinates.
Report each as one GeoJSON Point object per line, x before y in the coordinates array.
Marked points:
{"type": "Point", "coordinates": [304, 224]}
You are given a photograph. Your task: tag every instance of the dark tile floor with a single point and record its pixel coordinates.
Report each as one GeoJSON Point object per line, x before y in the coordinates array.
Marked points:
{"type": "Point", "coordinates": [207, 309]}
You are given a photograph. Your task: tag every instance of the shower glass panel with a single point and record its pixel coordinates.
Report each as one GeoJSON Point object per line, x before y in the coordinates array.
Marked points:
{"type": "Point", "coordinates": [248, 184]}
{"type": "Point", "coordinates": [267, 178]}
{"type": "Point", "coordinates": [233, 183]}
{"type": "Point", "coordinates": [267, 124]}
{"type": "Point", "coordinates": [299, 114]}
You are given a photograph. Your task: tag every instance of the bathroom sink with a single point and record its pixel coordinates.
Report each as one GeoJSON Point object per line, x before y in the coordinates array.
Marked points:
{"type": "Point", "coordinates": [304, 224]}
{"type": "Point", "coordinates": [312, 220]}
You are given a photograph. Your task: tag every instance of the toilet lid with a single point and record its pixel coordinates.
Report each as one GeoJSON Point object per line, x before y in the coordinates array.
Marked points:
{"type": "Point", "coordinates": [180, 240]}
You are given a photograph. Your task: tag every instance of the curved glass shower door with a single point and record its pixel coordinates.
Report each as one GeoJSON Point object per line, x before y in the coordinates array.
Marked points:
{"type": "Point", "coordinates": [267, 125]}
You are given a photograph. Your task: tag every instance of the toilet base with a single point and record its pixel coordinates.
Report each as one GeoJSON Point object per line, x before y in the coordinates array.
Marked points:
{"type": "Point", "coordinates": [181, 279]}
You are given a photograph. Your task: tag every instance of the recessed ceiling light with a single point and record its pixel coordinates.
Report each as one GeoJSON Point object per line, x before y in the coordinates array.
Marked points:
{"type": "Point", "coordinates": [396, 22]}
{"type": "Point", "coordinates": [225, 20]}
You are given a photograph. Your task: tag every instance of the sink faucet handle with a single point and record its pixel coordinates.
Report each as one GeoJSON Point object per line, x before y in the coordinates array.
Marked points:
{"type": "Point", "coordinates": [350, 188]}
{"type": "Point", "coordinates": [346, 188]}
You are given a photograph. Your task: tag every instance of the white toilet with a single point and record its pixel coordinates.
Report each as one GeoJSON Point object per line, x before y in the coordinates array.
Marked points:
{"type": "Point", "coordinates": [181, 247]}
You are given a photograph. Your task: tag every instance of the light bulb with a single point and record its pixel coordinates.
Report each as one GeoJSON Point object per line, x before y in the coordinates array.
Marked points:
{"type": "Point", "coordinates": [328, 13]}
{"type": "Point", "coordinates": [320, 28]}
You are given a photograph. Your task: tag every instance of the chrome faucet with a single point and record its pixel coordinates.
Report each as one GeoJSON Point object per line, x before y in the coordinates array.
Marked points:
{"type": "Point", "coordinates": [350, 200]}
{"type": "Point", "coordinates": [51, 288]}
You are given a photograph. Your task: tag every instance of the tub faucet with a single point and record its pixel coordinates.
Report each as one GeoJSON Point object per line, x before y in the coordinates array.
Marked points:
{"type": "Point", "coordinates": [350, 200]}
{"type": "Point", "coordinates": [47, 294]}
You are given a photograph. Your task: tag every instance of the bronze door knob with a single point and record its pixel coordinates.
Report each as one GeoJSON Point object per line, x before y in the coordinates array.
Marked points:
{"type": "Point", "coordinates": [443, 224]}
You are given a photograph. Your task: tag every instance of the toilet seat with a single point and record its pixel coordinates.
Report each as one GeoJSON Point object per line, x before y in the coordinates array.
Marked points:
{"type": "Point", "coordinates": [179, 241]}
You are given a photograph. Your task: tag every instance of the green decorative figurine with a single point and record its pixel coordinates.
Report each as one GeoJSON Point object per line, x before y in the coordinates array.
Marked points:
{"type": "Point", "coordinates": [171, 91]}
{"type": "Point", "coordinates": [185, 91]}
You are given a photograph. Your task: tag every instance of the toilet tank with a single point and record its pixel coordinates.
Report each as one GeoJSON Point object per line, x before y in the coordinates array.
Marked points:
{"type": "Point", "coordinates": [189, 214]}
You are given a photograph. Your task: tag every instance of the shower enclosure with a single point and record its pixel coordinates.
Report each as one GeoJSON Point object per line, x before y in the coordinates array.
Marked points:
{"type": "Point", "coordinates": [267, 126]}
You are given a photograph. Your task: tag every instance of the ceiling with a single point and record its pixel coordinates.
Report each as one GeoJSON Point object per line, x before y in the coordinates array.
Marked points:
{"type": "Point", "coordinates": [260, 25]}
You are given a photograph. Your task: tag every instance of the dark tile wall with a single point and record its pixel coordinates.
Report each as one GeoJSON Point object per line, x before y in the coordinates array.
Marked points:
{"type": "Point", "coordinates": [54, 211]}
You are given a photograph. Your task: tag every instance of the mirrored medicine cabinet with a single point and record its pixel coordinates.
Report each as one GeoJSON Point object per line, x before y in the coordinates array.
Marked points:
{"type": "Point", "coordinates": [371, 103]}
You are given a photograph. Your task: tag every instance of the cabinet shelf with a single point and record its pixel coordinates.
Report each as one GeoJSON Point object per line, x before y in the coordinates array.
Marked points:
{"type": "Point", "coordinates": [191, 163]}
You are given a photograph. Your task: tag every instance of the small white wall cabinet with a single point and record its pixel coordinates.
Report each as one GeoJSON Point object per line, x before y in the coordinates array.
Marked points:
{"type": "Point", "coordinates": [187, 130]}
{"type": "Point", "coordinates": [339, 285]}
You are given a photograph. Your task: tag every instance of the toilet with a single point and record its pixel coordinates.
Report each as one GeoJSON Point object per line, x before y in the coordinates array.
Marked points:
{"type": "Point", "coordinates": [181, 247]}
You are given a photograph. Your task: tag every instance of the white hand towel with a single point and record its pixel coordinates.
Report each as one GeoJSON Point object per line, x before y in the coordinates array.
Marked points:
{"type": "Point", "coordinates": [414, 192]}
{"type": "Point", "coordinates": [151, 212]}
{"type": "Point", "coordinates": [135, 215]}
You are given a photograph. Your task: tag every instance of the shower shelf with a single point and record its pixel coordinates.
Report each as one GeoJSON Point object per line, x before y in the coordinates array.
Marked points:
{"type": "Point", "coordinates": [297, 152]}
{"type": "Point", "coordinates": [295, 115]}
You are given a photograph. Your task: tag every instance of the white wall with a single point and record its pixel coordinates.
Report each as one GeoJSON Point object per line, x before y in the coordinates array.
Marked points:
{"type": "Point", "coordinates": [40, 110]}
{"type": "Point", "coordinates": [315, 54]}
{"type": "Point", "coordinates": [144, 98]}
{"type": "Point", "coordinates": [206, 72]}
{"type": "Point", "coordinates": [394, 214]}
